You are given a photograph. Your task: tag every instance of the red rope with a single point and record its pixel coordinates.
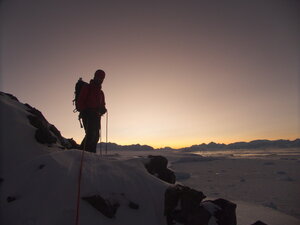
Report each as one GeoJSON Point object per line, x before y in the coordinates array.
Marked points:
{"type": "Point", "coordinates": [79, 185]}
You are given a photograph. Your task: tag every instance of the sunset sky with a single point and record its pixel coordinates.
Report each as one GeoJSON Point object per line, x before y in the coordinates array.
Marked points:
{"type": "Point", "coordinates": [178, 72]}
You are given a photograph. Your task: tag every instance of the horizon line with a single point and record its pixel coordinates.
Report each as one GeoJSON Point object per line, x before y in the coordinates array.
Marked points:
{"type": "Point", "coordinates": [281, 139]}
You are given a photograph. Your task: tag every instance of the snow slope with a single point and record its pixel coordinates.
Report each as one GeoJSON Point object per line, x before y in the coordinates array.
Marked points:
{"type": "Point", "coordinates": [43, 180]}
{"type": "Point", "coordinates": [48, 195]}
{"type": "Point", "coordinates": [17, 136]}
{"type": "Point", "coordinates": [39, 183]}
{"type": "Point", "coordinates": [266, 189]}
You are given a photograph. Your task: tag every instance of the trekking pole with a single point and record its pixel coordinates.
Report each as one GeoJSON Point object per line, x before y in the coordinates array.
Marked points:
{"type": "Point", "coordinates": [100, 133]}
{"type": "Point", "coordinates": [106, 132]}
{"type": "Point", "coordinates": [79, 182]}
{"type": "Point", "coordinates": [79, 118]}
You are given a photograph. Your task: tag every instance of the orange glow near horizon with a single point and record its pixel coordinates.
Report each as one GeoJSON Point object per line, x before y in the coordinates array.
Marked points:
{"type": "Point", "coordinates": [178, 74]}
{"type": "Point", "coordinates": [187, 142]}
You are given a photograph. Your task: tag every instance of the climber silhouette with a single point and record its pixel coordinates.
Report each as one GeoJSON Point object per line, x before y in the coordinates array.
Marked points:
{"type": "Point", "coordinates": [91, 105]}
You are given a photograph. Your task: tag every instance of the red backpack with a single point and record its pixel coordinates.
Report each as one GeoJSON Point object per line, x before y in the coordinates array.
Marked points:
{"type": "Point", "coordinates": [88, 96]}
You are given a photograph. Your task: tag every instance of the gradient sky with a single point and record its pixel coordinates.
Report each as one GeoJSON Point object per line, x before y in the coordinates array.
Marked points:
{"type": "Point", "coordinates": [178, 72]}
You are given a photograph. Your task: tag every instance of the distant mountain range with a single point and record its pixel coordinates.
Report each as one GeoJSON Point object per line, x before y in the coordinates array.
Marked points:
{"type": "Point", "coordinates": [212, 146]}
{"type": "Point", "coordinates": [247, 145]}
{"type": "Point", "coordinates": [114, 146]}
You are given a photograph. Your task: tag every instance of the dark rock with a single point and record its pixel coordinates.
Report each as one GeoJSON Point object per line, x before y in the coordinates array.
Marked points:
{"type": "Point", "coordinates": [105, 206]}
{"type": "Point", "coordinates": [73, 144]}
{"type": "Point", "coordinates": [37, 114]}
{"type": "Point", "coordinates": [133, 205]}
{"type": "Point", "coordinates": [43, 136]}
{"type": "Point", "coordinates": [189, 200]}
{"type": "Point", "coordinates": [41, 166]}
{"type": "Point", "coordinates": [36, 122]}
{"type": "Point", "coordinates": [156, 163]}
{"type": "Point", "coordinates": [227, 215]}
{"type": "Point", "coordinates": [158, 166]}
{"type": "Point", "coordinates": [184, 205]}
{"type": "Point", "coordinates": [259, 223]}
{"type": "Point", "coordinates": [199, 215]}
{"type": "Point", "coordinates": [57, 133]}
{"type": "Point", "coordinates": [9, 95]}
{"type": "Point", "coordinates": [11, 199]}
{"type": "Point", "coordinates": [47, 133]}
{"type": "Point", "coordinates": [172, 196]}
{"type": "Point", "coordinates": [167, 175]}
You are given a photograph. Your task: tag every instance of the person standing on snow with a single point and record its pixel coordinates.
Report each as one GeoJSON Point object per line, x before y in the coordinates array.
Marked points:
{"type": "Point", "coordinates": [91, 103]}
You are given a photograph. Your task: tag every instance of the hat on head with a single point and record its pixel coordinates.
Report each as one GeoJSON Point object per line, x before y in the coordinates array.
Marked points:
{"type": "Point", "coordinates": [99, 75]}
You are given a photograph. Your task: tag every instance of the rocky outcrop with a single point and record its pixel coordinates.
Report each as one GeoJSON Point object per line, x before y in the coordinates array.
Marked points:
{"type": "Point", "coordinates": [259, 223]}
{"type": "Point", "coordinates": [157, 166]}
{"type": "Point", "coordinates": [105, 206]}
{"type": "Point", "coordinates": [181, 203]}
{"type": "Point", "coordinates": [109, 205]}
{"type": "Point", "coordinates": [45, 133]}
{"type": "Point", "coordinates": [226, 212]}
{"type": "Point", "coordinates": [184, 205]}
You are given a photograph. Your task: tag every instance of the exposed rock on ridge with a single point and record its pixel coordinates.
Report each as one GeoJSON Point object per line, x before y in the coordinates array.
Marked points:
{"type": "Point", "coordinates": [46, 133]}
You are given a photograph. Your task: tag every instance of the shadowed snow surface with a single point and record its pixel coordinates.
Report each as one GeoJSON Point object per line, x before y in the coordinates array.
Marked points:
{"type": "Point", "coordinates": [40, 182]}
